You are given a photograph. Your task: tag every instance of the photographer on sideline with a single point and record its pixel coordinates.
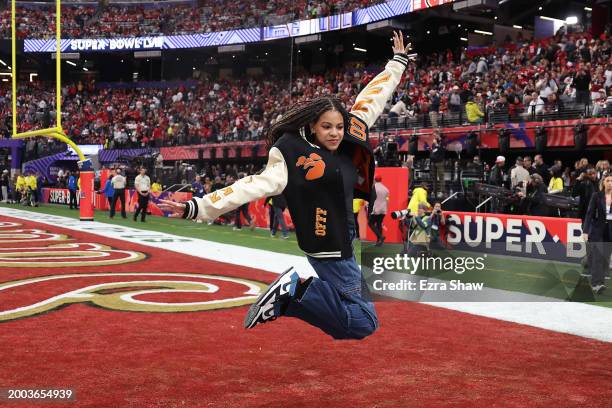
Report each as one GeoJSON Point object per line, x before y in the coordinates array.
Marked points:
{"type": "Point", "coordinates": [438, 219]}
{"type": "Point", "coordinates": [419, 231]}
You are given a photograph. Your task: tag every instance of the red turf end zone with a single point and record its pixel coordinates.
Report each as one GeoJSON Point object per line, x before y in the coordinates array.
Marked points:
{"type": "Point", "coordinates": [422, 356]}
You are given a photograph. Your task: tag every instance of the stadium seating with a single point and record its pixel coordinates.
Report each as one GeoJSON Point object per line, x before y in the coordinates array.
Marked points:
{"type": "Point", "coordinates": [520, 84]}
{"type": "Point", "coordinates": [36, 20]}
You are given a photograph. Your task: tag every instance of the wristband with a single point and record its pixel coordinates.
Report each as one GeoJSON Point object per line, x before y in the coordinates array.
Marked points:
{"type": "Point", "coordinates": [402, 58]}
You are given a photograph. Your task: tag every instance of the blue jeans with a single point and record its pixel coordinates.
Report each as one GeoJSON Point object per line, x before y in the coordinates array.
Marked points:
{"type": "Point", "coordinates": [338, 301]}
{"type": "Point", "coordinates": [280, 220]}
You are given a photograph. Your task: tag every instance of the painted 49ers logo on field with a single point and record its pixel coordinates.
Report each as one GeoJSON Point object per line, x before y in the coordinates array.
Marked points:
{"type": "Point", "coordinates": [314, 164]}
{"type": "Point", "coordinates": [130, 292]}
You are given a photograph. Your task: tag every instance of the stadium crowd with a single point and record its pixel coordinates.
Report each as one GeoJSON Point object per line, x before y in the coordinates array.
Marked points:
{"type": "Point", "coordinates": [518, 81]}
{"type": "Point", "coordinates": [169, 18]}
{"type": "Point", "coordinates": [524, 81]}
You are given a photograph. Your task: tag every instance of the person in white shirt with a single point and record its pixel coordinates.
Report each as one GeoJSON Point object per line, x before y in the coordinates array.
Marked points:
{"type": "Point", "coordinates": [379, 209]}
{"type": "Point", "coordinates": [519, 176]}
{"type": "Point", "coordinates": [118, 182]}
{"type": "Point", "coordinates": [142, 184]}
{"type": "Point", "coordinates": [399, 109]}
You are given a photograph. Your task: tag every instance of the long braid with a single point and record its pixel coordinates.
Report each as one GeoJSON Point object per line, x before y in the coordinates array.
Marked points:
{"type": "Point", "coordinates": [301, 115]}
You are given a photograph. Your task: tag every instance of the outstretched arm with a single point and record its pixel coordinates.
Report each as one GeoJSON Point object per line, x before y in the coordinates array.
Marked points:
{"type": "Point", "coordinates": [372, 99]}
{"type": "Point", "coordinates": [270, 182]}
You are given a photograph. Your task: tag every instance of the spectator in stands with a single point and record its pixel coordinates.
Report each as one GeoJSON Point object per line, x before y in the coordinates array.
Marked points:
{"type": "Point", "coordinates": [197, 187]}
{"type": "Point", "coordinates": [482, 67]}
{"type": "Point", "coordinates": [586, 186]}
{"type": "Point", "coordinates": [528, 164]}
{"type": "Point", "coordinates": [454, 101]}
{"type": "Point", "coordinates": [434, 107]}
{"type": "Point", "coordinates": [582, 82]}
{"type": "Point", "coordinates": [473, 112]}
{"type": "Point", "coordinates": [399, 109]}
{"type": "Point", "coordinates": [541, 168]}
{"type": "Point", "coordinates": [519, 176]}
{"type": "Point", "coordinates": [602, 168]}
{"type": "Point", "coordinates": [555, 185]}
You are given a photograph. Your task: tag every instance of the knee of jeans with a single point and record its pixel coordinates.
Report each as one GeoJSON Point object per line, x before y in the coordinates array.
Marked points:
{"type": "Point", "coordinates": [362, 331]}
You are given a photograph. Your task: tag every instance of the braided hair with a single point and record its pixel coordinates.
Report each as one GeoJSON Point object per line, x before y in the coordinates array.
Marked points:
{"type": "Point", "coordinates": [301, 115]}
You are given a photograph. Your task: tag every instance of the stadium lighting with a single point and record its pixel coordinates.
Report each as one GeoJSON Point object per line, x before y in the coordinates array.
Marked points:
{"type": "Point", "coordinates": [548, 18]}
{"type": "Point", "coordinates": [2, 62]}
{"type": "Point", "coordinates": [428, 32]}
{"type": "Point", "coordinates": [193, 68]}
{"type": "Point", "coordinates": [495, 18]}
{"type": "Point", "coordinates": [71, 63]}
{"type": "Point", "coordinates": [571, 20]}
{"type": "Point", "coordinates": [459, 25]}
{"type": "Point", "coordinates": [483, 32]}
{"type": "Point", "coordinates": [32, 75]}
{"type": "Point", "coordinates": [518, 27]}
{"type": "Point", "coordinates": [588, 9]}
{"type": "Point", "coordinates": [85, 69]}
{"type": "Point", "coordinates": [463, 39]}
{"type": "Point", "coordinates": [122, 61]}
{"type": "Point", "coordinates": [540, 8]}
{"type": "Point", "coordinates": [360, 49]}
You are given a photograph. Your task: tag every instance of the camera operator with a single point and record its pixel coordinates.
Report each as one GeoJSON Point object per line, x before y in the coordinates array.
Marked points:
{"type": "Point", "coordinates": [419, 231]}
{"type": "Point", "coordinates": [438, 220]}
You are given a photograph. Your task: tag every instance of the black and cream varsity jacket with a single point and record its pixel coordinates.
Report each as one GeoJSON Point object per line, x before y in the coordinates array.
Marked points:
{"type": "Point", "coordinates": [309, 176]}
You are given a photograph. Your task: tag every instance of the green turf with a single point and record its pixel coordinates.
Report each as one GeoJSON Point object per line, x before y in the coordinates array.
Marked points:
{"type": "Point", "coordinates": [514, 273]}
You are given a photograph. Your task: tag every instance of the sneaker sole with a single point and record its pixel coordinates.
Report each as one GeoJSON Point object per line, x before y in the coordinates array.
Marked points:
{"type": "Point", "coordinates": [271, 291]}
{"type": "Point", "coordinates": [255, 312]}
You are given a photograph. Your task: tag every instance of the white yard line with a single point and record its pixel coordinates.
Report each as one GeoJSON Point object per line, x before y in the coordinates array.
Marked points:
{"type": "Point", "coordinates": [580, 319]}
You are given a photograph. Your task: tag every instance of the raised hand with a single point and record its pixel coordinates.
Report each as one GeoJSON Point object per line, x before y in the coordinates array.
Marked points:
{"type": "Point", "coordinates": [398, 43]}
{"type": "Point", "coordinates": [175, 209]}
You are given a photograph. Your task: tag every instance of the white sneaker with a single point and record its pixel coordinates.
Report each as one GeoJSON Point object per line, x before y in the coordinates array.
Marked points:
{"type": "Point", "coordinates": [598, 289]}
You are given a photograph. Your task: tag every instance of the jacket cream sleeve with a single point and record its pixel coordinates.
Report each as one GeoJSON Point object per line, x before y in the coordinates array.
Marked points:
{"type": "Point", "coordinates": [270, 182]}
{"type": "Point", "coordinates": [372, 99]}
